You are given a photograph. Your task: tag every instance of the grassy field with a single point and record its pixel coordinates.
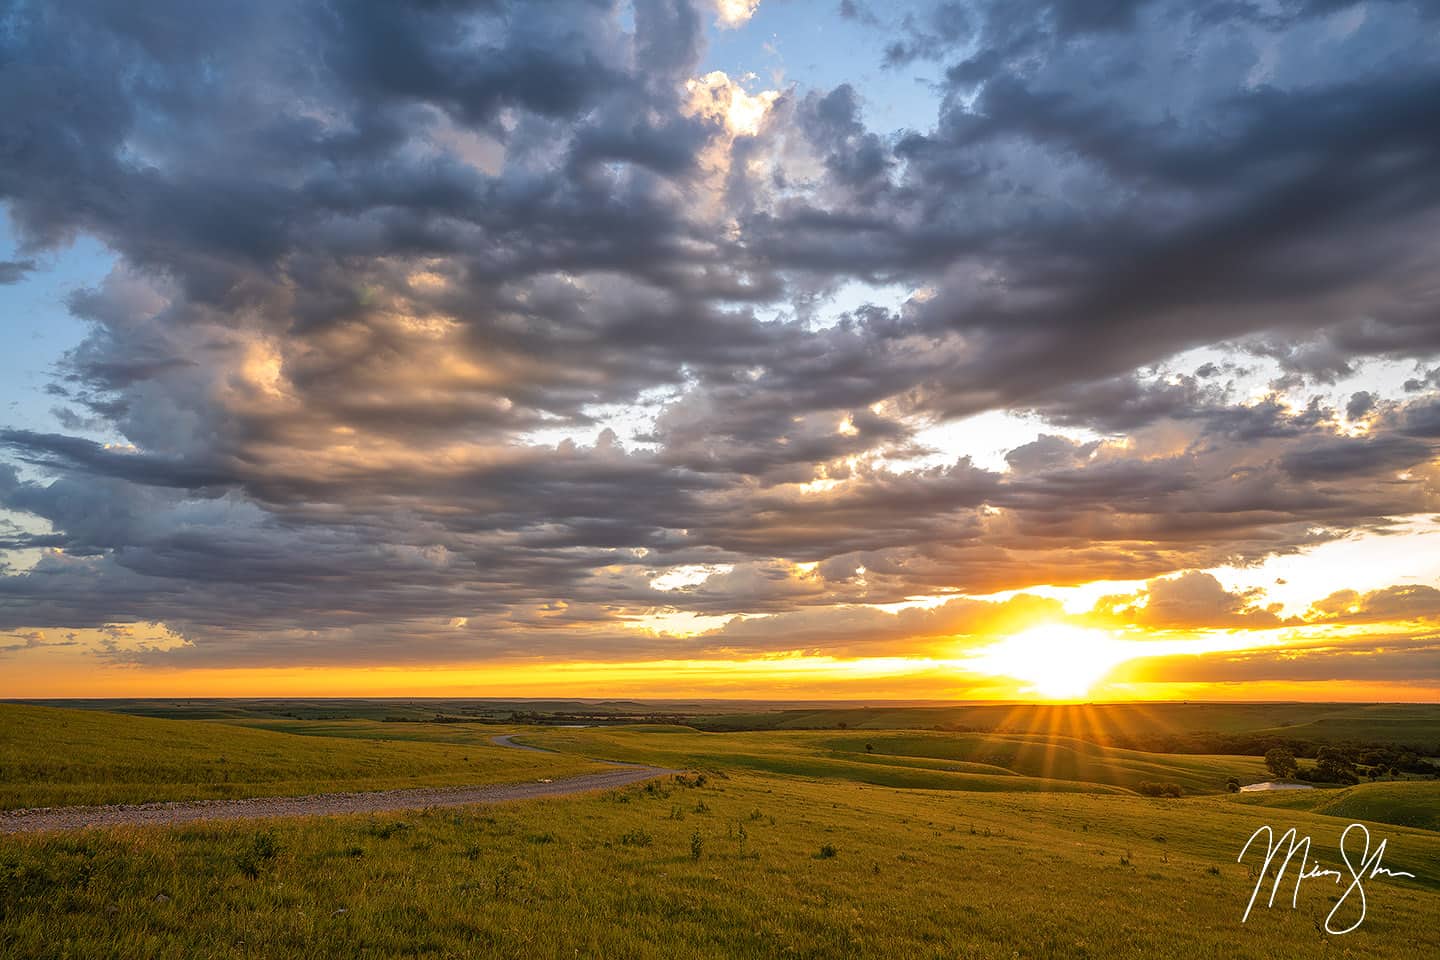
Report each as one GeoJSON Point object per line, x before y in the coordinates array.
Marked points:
{"type": "Point", "coordinates": [796, 844]}
{"type": "Point", "coordinates": [750, 865]}
{"type": "Point", "coordinates": [1413, 803]}
{"type": "Point", "coordinates": [1415, 725]}
{"type": "Point", "coordinates": [914, 759]}
{"type": "Point", "coordinates": [51, 757]}
{"type": "Point", "coordinates": [941, 761]}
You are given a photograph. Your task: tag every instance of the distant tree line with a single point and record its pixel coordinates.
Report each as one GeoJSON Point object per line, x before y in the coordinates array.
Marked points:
{"type": "Point", "coordinates": [595, 719]}
{"type": "Point", "coordinates": [1341, 764]}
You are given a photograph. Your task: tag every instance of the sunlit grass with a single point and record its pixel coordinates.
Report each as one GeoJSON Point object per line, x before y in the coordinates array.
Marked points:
{"type": "Point", "coordinates": [909, 874]}
{"type": "Point", "coordinates": [52, 757]}
{"type": "Point", "coordinates": [812, 844]}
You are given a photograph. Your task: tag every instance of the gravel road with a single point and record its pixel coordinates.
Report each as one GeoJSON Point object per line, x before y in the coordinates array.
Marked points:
{"type": "Point", "coordinates": [379, 801]}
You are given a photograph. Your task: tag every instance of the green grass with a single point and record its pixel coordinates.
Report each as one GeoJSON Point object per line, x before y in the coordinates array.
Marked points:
{"type": "Point", "coordinates": [942, 761]}
{"type": "Point", "coordinates": [798, 844]}
{"type": "Point", "coordinates": [1409, 803]}
{"type": "Point", "coordinates": [451, 733]}
{"type": "Point", "coordinates": [1387, 723]}
{"type": "Point", "coordinates": [1382, 723]}
{"type": "Point", "coordinates": [1379, 723]}
{"type": "Point", "coordinates": [52, 757]}
{"type": "Point", "coordinates": [913, 874]}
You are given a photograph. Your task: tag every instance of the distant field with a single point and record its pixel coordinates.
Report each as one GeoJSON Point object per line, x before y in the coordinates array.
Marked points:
{"type": "Point", "coordinates": [451, 733]}
{"type": "Point", "coordinates": [366, 708]}
{"type": "Point", "coordinates": [937, 761]}
{"type": "Point", "coordinates": [1414, 803]}
{"type": "Point", "coordinates": [50, 757]}
{"type": "Point", "coordinates": [1415, 726]}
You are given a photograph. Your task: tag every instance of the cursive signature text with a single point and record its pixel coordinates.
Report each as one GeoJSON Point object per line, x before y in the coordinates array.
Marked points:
{"type": "Point", "coordinates": [1367, 866]}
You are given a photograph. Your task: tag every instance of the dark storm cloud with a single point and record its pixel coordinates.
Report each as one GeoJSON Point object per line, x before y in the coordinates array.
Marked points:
{"type": "Point", "coordinates": [1244, 202]}
{"type": "Point", "coordinates": [1335, 459]}
{"type": "Point", "coordinates": [374, 257]}
{"type": "Point", "coordinates": [1361, 403]}
{"type": "Point", "coordinates": [13, 271]}
{"type": "Point", "coordinates": [1422, 420]}
{"type": "Point", "coordinates": [931, 36]}
{"type": "Point", "coordinates": [66, 454]}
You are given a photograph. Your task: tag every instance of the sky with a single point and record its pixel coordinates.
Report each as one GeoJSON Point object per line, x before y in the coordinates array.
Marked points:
{"type": "Point", "coordinates": [1028, 349]}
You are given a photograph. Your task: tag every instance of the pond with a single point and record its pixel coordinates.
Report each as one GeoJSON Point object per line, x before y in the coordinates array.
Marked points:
{"type": "Point", "coordinates": [1273, 785]}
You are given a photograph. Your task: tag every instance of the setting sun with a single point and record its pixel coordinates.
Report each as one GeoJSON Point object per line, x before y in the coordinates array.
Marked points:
{"type": "Point", "coordinates": [1058, 661]}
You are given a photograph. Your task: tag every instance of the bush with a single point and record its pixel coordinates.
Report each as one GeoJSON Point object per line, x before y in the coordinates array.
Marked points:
{"type": "Point", "coordinates": [265, 846]}
{"type": "Point", "coordinates": [262, 847]}
{"type": "Point", "coordinates": [697, 845]}
{"type": "Point", "coordinates": [1150, 788]}
{"type": "Point", "coordinates": [826, 852]}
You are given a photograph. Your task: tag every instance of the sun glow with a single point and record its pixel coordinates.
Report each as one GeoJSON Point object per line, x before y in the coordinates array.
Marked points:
{"type": "Point", "coordinates": [1058, 661]}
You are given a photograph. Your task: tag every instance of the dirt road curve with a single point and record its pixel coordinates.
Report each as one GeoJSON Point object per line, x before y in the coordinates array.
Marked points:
{"type": "Point", "coordinates": [380, 801]}
{"type": "Point", "coordinates": [508, 740]}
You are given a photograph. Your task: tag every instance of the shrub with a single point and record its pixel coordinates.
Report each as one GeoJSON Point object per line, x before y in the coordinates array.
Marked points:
{"type": "Point", "coordinates": [697, 845]}
{"type": "Point", "coordinates": [504, 879]}
{"type": "Point", "coordinates": [265, 846]}
{"type": "Point", "coordinates": [826, 852]}
{"type": "Point", "coordinates": [247, 864]}
{"type": "Point", "coordinates": [262, 847]}
{"type": "Point", "coordinates": [1150, 788]}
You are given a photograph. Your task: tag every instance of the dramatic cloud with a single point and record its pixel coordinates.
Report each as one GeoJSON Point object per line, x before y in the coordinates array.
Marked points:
{"type": "Point", "coordinates": [446, 332]}
{"type": "Point", "coordinates": [12, 271]}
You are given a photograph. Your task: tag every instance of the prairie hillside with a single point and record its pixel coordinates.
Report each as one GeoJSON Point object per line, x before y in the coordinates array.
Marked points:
{"type": "Point", "coordinates": [814, 844]}
{"type": "Point", "coordinates": [52, 757]}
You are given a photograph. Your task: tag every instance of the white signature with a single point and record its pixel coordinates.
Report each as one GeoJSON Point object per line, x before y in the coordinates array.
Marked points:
{"type": "Point", "coordinates": [1368, 866]}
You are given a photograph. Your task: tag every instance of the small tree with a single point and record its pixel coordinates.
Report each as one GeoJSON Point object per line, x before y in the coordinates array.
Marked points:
{"type": "Point", "coordinates": [1281, 761]}
{"type": "Point", "coordinates": [1233, 785]}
